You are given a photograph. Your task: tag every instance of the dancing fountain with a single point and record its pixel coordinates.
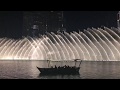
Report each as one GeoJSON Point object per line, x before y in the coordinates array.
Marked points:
{"type": "Point", "coordinates": [90, 45]}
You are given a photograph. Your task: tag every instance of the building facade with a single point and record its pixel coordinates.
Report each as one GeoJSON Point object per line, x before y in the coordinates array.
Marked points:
{"type": "Point", "coordinates": [39, 22]}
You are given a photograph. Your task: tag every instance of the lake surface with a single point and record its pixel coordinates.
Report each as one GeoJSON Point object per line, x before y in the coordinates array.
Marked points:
{"type": "Point", "coordinates": [89, 70]}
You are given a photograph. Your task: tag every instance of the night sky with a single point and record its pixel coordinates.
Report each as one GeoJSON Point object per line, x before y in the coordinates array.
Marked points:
{"type": "Point", "coordinates": [11, 22]}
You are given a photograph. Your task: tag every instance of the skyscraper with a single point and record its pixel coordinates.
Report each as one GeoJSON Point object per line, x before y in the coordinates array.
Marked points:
{"type": "Point", "coordinates": [118, 20]}
{"type": "Point", "coordinates": [38, 22]}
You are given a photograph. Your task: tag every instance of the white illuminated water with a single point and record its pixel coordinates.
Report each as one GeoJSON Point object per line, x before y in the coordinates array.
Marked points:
{"type": "Point", "coordinates": [90, 45]}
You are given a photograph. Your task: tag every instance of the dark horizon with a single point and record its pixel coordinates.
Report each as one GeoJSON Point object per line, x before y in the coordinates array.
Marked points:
{"type": "Point", "coordinates": [11, 22]}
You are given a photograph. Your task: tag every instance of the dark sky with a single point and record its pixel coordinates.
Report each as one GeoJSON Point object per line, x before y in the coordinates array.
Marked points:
{"type": "Point", "coordinates": [84, 19]}
{"type": "Point", "coordinates": [11, 21]}
{"type": "Point", "coordinates": [10, 24]}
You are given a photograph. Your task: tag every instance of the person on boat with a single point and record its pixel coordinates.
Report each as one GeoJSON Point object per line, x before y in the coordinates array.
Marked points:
{"type": "Point", "coordinates": [65, 66]}
{"type": "Point", "coordinates": [55, 66]}
{"type": "Point", "coordinates": [58, 66]}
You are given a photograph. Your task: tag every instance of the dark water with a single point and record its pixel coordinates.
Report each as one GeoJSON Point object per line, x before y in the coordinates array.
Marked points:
{"type": "Point", "coordinates": [89, 70]}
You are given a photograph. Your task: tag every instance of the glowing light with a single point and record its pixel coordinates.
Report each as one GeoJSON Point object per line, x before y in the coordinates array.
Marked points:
{"type": "Point", "coordinates": [91, 45]}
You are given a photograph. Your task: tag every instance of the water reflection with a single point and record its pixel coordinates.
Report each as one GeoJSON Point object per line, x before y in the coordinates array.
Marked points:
{"type": "Point", "coordinates": [88, 70]}
{"type": "Point", "coordinates": [59, 76]}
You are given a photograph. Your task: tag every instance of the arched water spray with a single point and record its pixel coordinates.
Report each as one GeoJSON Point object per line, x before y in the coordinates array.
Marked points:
{"type": "Point", "coordinates": [64, 38]}
{"type": "Point", "coordinates": [81, 55]}
{"type": "Point", "coordinates": [97, 44]}
{"type": "Point", "coordinates": [102, 45]}
{"type": "Point", "coordinates": [91, 44]}
{"type": "Point", "coordinates": [95, 49]}
{"type": "Point", "coordinates": [36, 49]}
{"type": "Point", "coordinates": [58, 48]}
{"type": "Point", "coordinates": [58, 41]}
{"type": "Point", "coordinates": [114, 43]}
{"type": "Point", "coordinates": [16, 49]}
{"type": "Point", "coordinates": [108, 44]}
{"type": "Point", "coordinates": [71, 45]}
{"type": "Point", "coordinates": [93, 55]}
{"type": "Point", "coordinates": [84, 49]}
{"type": "Point", "coordinates": [51, 54]}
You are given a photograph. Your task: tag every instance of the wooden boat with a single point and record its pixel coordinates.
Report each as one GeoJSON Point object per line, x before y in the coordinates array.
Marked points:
{"type": "Point", "coordinates": [64, 70]}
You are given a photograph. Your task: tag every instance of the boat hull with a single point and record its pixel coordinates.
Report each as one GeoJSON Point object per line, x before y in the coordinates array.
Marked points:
{"type": "Point", "coordinates": [61, 70]}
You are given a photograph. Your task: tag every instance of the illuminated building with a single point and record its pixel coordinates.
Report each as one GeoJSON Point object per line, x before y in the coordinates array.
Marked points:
{"type": "Point", "coordinates": [38, 22]}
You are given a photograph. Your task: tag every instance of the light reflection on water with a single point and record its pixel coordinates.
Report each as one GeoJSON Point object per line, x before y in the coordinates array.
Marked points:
{"type": "Point", "coordinates": [89, 70]}
{"type": "Point", "coordinates": [60, 77]}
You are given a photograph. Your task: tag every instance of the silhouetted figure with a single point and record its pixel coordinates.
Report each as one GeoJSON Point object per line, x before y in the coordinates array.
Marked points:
{"type": "Point", "coordinates": [55, 66]}
{"type": "Point", "coordinates": [58, 66]}
{"type": "Point", "coordinates": [65, 66]}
